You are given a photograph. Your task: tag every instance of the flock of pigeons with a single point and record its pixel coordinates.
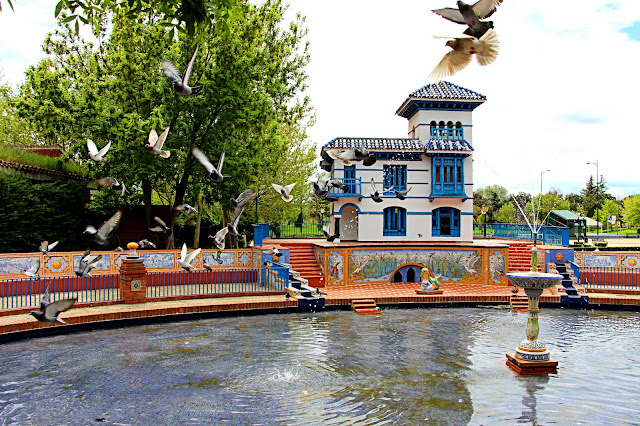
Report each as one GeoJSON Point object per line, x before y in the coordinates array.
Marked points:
{"type": "Point", "coordinates": [481, 40]}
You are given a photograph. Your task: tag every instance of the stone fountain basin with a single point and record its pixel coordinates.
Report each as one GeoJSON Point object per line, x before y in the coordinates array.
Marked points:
{"type": "Point", "coordinates": [539, 280]}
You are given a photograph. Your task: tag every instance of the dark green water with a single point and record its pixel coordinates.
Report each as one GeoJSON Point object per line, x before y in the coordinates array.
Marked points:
{"type": "Point", "coordinates": [437, 366]}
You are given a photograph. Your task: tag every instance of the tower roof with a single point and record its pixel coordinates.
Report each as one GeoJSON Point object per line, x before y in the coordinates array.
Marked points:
{"type": "Point", "coordinates": [440, 96]}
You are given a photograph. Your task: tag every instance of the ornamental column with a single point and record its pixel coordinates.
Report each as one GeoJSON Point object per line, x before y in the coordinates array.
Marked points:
{"type": "Point", "coordinates": [133, 277]}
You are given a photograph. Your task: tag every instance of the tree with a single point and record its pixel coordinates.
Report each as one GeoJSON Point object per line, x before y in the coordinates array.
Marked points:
{"type": "Point", "coordinates": [610, 208]}
{"type": "Point", "coordinates": [251, 103]}
{"type": "Point", "coordinates": [493, 196]}
{"type": "Point", "coordinates": [13, 129]}
{"type": "Point", "coordinates": [506, 214]}
{"type": "Point", "coordinates": [631, 210]}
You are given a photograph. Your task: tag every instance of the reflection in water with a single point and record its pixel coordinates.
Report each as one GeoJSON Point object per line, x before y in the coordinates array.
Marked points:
{"type": "Point", "coordinates": [438, 366]}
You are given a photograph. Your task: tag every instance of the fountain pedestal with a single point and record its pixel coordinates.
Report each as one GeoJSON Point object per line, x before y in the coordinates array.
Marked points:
{"type": "Point", "coordinates": [531, 356]}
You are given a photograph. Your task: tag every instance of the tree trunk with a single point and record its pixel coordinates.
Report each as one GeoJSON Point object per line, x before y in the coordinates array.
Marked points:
{"type": "Point", "coordinates": [181, 189]}
{"type": "Point", "coordinates": [196, 235]}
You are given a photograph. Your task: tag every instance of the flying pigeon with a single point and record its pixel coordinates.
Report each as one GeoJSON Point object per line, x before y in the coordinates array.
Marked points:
{"type": "Point", "coordinates": [185, 207]}
{"type": "Point", "coordinates": [118, 249]}
{"type": "Point", "coordinates": [375, 196]}
{"type": "Point", "coordinates": [161, 227]}
{"type": "Point", "coordinates": [49, 311]}
{"type": "Point", "coordinates": [155, 143]}
{"type": "Point", "coordinates": [218, 239]}
{"type": "Point", "coordinates": [486, 50]}
{"type": "Point", "coordinates": [87, 263]}
{"type": "Point", "coordinates": [110, 182]}
{"type": "Point", "coordinates": [146, 244]}
{"type": "Point", "coordinates": [471, 16]}
{"type": "Point", "coordinates": [331, 238]}
{"type": "Point", "coordinates": [337, 183]}
{"type": "Point", "coordinates": [218, 257]}
{"type": "Point", "coordinates": [320, 185]}
{"type": "Point", "coordinates": [95, 154]}
{"type": "Point", "coordinates": [243, 199]}
{"type": "Point", "coordinates": [186, 259]}
{"type": "Point", "coordinates": [102, 234]}
{"type": "Point", "coordinates": [45, 247]}
{"type": "Point", "coordinates": [401, 194]}
{"type": "Point", "coordinates": [356, 154]}
{"type": "Point", "coordinates": [284, 191]}
{"type": "Point", "coordinates": [180, 84]}
{"type": "Point", "coordinates": [32, 272]}
{"type": "Point", "coordinates": [216, 174]}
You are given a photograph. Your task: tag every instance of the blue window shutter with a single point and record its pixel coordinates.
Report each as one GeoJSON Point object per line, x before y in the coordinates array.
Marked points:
{"type": "Point", "coordinates": [395, 221]}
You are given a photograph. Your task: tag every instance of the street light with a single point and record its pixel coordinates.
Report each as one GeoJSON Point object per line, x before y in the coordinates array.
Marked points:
{"type": "Point", "coordinates": [541, 173]}
{"type": "Point", "coordinates": [484, 210]}
{"type": "Point", "coordinates": [597, 197]}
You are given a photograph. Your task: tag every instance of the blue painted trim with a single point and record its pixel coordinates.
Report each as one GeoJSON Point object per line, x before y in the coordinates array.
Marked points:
{"type": "Point", "coordinates": [370, 213]}
{"type": "Point", "coordinates": [420, 213]}
{"type": "Point", "coordinates": [347, 205]}
{"type": "Point", "coordinates": [466, 213]}
{"type": "Point", "coordinates": [468, 184]}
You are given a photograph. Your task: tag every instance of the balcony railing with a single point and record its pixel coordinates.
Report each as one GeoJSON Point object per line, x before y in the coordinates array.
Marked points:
{"type": "Point", "coordinates": [353, 188]}
{"type": "Point", "coordinates": [449, 134]}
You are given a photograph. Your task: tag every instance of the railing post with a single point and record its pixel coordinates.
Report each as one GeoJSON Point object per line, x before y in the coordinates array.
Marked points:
{"type": "Point", "coordinates": [133, 277]}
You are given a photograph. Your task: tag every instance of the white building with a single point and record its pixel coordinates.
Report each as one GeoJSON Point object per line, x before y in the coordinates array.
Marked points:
{"type": "Point", "coordinates": [434, 162]}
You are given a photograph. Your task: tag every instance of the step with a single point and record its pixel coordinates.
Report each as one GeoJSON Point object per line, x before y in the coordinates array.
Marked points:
{"type": "Point", "coordinates": [373, 311]}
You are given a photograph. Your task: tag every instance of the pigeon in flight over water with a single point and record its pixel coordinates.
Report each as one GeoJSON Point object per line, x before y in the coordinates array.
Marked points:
{"type": "Point", "coordinates": [110, 182]}
{"type": "Point", "coordinates": [155, 143]}
{"type": "Point", "coordinates": [102, 234]}
{"type": "Point", "coordinates": [216, 174]}
{"type": "Point", "coordinates": [471, 16]}
{"type": "Point", "coordinates": [180, 83]}
{"type": "Point", "coordinates": [32, 272]}
{"type": "Point", "coordinates": [486, 51]}
{"type": "Point", "coordinates": [95, 154]}
{"type": "Point", "coordinates": [45, 247]}
{"type": "Point", "coordinates": [186, 259]}
{"type": "Point", "coordinates": [284, 191]}
{"type": "Point", "coordinates": [49, 311]}
{"type": "Point", "coordinates": [87, 263]}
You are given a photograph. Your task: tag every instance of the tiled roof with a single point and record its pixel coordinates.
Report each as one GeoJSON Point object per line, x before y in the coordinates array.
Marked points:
{"type": "Point", "coordinates": [447, 145]}
{"type": "Point", "coordinates": [34, 169]}
{"type": "Point", "coordinates": [391, 144]}
{"type": "Point", "coordinates": [446, 90]}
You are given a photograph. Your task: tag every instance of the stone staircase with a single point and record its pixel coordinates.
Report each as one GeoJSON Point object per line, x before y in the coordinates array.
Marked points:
{"type": "Point", "coordinates": [519, 302]}
{"type": "Point", "coordinates": [569, 285]}
{"type": "Point", "coordinates": [303, 260]}
{"type": "Point", "coordinates": [365, 307]}
{"type": "Point", "coordinates": [520, 256]}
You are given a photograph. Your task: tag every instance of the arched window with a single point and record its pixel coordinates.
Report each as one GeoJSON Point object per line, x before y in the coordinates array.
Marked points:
{"type": "Point", "coordinates": [397, 277]}
{"type": "Point", "coordinates": [433, 129]}
{"type": "Point", "coordinates": [459, 135]}
{"type": "Point", "coordinates": [441, 124]}
{"type": "Point", "coordinates": [446, 222]}
{"type": "Point", "coordinates": [395, 222]}
{"type": "Point", "coordinates": [411, 275]}
{"type": "Point", "coordinates": [450, 130]}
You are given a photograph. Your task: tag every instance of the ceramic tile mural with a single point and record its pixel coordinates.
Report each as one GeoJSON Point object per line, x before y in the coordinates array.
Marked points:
{"type": "Point", "coordinates": [319, 254]}
{"type": "Point", "coordinates": [630, 261]}
{"type": "Point", "coordinates": [12, 265]}
{"type": "Point", "coordinates": [607, 259]}
{"type": "Point", "coordinates": [601, 261]}
{"type": "Point", "coordinates": [335, 268]}
{"type": "Point", "coordinates": [497, 266]}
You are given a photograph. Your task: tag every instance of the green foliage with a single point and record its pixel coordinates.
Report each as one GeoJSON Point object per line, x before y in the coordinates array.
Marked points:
{"type": "Point", "coordinates": [506, 214]}
{"type": "Point", "coordinates": [13, 129]}
{"type": "Point", "coordinates": [631, 210]}
{"type": "Point", "coordinates": [609, 208]}
{"type": "Point", "coordinates": [21, 156]}
{"type": "Point", "coordinates": [41, 211]}
{"type": "Point", "coordinates": [493, 196]}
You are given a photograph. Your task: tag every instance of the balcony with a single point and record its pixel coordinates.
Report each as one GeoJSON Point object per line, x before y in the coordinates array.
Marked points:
{"type": "Point", "coordinates": [353, 188]}
{"type": "Point", "coordinates": [448, 134]}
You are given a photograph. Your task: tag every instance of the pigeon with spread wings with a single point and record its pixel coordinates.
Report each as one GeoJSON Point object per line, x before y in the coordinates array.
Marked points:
{"type": "Point", "coordinates": [32, 271]}
{"type": "Point", "coordinates": [45, 247]}
{"type": "Point", "coordinates": [375, 195]}
{"type": "Point", "coordinates": [110, 182]}
{"type": "Point", "coordinates": [471, 15]}
{"type": "Point", "coordinates": [49, 311]}
{"type": "Point", "coordinates": [156, 142]}
{"type": "Point", "coordinates": [356, 154]}
{"type": "Point", "coordinates": [486, 50]}
{"type": "Point", "coordinates": [87, 263]}
{"type": "Point", "coordinates": [186, 260]}
{"type": "Point", "coordinates": [95, 154]}
{"type": "Point", "coordinates": [180, 83]}
{"type": "Point", "coordinates": [284, 191]}
{"type": "Point", "coordinates": [215, 173]}
{"type": "Point", "coordinates": [106, 230]}
{"type": "Point", "coordinates": [239, 204]}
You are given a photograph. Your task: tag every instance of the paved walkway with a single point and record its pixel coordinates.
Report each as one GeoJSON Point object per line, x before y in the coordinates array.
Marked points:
{"type": "Point", "coordinates": [393, 293]}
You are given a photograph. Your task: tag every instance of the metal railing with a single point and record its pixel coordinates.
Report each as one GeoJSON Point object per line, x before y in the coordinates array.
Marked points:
{"type": "Point", "coordinates": [608, 278]}
{"type": "Point", "coordinates": [353, 188]}
{"type": "Point", "coordinates": [449, 133]}
{"type": "Point", "coordinates": [202, 282]}
{"type": "Point", "coordinates": [553, 235]}
{"type": "Point", "coordinates": [26, 292]}
{"type": "Point", "coordinates": [296, 230]}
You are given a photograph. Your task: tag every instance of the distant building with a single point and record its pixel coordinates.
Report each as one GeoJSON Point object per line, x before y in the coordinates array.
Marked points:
{"type": "Point", "coordinates": [434, 162]}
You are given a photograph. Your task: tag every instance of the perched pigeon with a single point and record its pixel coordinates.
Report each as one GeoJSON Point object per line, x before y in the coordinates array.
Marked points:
{"type": "Point", "coordinates": [275, 253]}
{"type": "Point", "coordinates": [401, 194]}
{"type": "Point", "coordinates": [155, 143]}
{"type": "Point", "coordinates": [32, 272]}
{"type": "Point", "coordinates": [102, 234]}
{"type": "Point", "coordinates": [355, 154]}
{"type": "Point", "coordinates": [146, 244]}
{"type": "Point", "coordinates": [95, 154]}
{"type": "Point", "coordinates": [486, 51]}
{"type": "Point", "coordinates": [331, 238]}
{"type": "Point", "coordinates": [45, 247]}
{"type": "Point", "coordinates": [87, 263]}
{"type": "Point", "coordinates": [375, 196]}
{"type": "Point", "coordinates": [216, 174]}
{"type": "Point", "coordinates": [161, 228]}
{"type": "Point", "coordinates": [218, 239]}
{"type": "Point", "coordinates": [471, 16]}
{"type": "Point", "coordinates": [110, 182]}
{"type": "Point", "coordinates": [186, 259]}
{"type": "Point", "coordinates": [185, 207]}
{"type": "Point", "coordinates": [243, 199]}
{"type": "Point", "coordinates": [181, 84]}
{"type": "Point", "coordinates": [49, 311]}
{"type": "Point", "coordinates": [284, 191]}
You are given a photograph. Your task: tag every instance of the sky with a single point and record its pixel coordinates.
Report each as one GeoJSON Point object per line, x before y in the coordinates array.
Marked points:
{"type": "Point", "coordinates": [563, 92]}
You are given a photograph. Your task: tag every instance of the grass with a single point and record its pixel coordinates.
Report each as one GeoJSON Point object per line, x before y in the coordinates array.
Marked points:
{"type": "Point", "coordinates": [20, 156]}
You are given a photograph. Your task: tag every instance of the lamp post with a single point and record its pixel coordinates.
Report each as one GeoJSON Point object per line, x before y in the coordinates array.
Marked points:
{"type": "Point", "coordinates": [541, 173]}
{"type": "Point", "coordinates": [597, 197]}
{"type": "Point", "coordinates": [484, 210]}
{"type": "Point", "coordinates": [321, 217]}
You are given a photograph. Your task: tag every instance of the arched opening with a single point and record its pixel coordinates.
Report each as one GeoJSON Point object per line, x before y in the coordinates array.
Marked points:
{"type": "Point", "coordinates": [397, 277]}
{"type": "Point", "coordinates": [349, 223]}
{"type": "Point", "coordinates": [411, 275]}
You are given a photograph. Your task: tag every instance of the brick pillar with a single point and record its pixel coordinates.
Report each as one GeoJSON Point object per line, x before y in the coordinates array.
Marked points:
{"type": "Point", "coordinates": [133, 278]}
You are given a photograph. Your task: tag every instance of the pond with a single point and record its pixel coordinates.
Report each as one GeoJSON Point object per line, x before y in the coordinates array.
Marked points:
{"type": "Point", "coordinates": [409, 366]}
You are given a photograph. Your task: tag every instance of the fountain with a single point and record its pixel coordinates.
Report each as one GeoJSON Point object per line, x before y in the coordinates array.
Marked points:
{"type": "Point", "coordinates": [531, 356]}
